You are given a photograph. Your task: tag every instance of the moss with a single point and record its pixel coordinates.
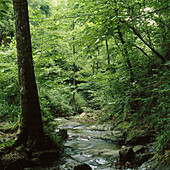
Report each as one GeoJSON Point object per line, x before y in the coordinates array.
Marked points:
{"type": "Point", "coordinates": [122, 125]}
{"type": "Point", "coordinates": [10, 128]}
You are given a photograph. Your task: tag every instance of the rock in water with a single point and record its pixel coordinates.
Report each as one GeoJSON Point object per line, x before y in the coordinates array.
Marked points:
{"type": "Point", "coordinates": [127, 154]}
{"type": "Point", "coordinates": [82, 167]}
{"type": "Point", "coordinates": [63, 134]}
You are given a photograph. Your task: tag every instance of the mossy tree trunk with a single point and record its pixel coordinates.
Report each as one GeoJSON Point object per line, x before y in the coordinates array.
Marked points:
{"type": "Point", "coordinates": [30, 125]}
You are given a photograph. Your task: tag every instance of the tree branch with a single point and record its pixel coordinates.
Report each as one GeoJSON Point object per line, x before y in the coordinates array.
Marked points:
{"type": "Point", "coordinates": [136, 32]}
{"type": "Point", "coordinates": [91, 14]}
{"type": "Point", "coordinates": [142, 51]}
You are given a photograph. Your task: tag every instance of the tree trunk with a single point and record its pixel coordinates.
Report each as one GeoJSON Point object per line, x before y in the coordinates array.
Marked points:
{"type": "Point", "coordinates": [130, 70]}
{"type": "Point", "coordinates": [74, 85]}
{"type": "Point", "coordinates": [74, 72]}
{"type": "Point", "coordinates": [93, 65]}
{"type": "Point", "coordinates": [30, 131]}
{"type": "Point", "coordinates": [108, 55]}
{"type": "Point", "coordinates": [127, 58]}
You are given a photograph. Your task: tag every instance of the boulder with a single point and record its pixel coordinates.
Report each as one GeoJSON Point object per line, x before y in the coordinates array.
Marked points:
{"type": "Point", "coordinates": [70, 163]}
{"type": "Point", "coordinates": [139, 137]}
{"type": "Point", "coordinates": [82, 167]}
{"type": "Point", "coordinates": [126, 155]}
{"type": "Point", "coordinates": [141, 158]}
{"type": "Point", "coordinates": [63, 134]}
{"type": "Point", "coordinates": [139, 149]}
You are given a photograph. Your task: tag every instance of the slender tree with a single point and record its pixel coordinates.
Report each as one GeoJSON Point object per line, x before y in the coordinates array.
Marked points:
{"type": "Point", "coordinates": [125, 52]}
{"type": "Point", "coordinates": [74, 72]}
{"type": "Point", "coordinates": [107, 49]}
{"type": "Point", "coordinates": [30, 125]}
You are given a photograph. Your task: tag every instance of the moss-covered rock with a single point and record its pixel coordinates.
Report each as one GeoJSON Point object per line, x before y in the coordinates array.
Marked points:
{"type": "Point", "coordinates": [138, 136]}
{"type": "Point", "coordinates": [139, 149]}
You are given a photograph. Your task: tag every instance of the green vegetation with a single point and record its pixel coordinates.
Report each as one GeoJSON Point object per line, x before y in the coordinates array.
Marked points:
{"type": "Point", "coordinates": [93, 55]}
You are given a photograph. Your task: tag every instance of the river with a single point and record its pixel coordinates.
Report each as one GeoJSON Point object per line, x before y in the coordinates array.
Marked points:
{"type": "Point", "coordinates": [89, 143]}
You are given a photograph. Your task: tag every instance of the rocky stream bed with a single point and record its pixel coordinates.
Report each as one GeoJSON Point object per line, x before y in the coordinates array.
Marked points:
{"type": "Point", "coordinates": [91, 145]}
{"type": "Point", "coordinates": [98, 147]}
{"type": "Point", "coordinates": [103, 148]}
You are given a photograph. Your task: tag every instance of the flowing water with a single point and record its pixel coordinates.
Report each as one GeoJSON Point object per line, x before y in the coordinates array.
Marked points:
{"type": "Point", "coordinates": [91, 144]}
{"type": "Point", "coordinates": [87, 144]}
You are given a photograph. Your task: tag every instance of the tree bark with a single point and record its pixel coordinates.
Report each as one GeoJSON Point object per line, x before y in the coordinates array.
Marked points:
{"type": "Point", "coordinates": [30, 124]}
{"type": "Point", "coordinates": [108, 55]}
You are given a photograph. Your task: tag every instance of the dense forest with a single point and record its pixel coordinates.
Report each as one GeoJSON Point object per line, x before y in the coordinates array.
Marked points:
{"type": "Point", "coordinates": [109, 58]}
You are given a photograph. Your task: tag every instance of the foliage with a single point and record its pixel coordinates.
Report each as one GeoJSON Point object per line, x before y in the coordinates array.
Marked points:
{"type": "Point", "coordinates": [9, 99]}
{"type": "Point", "coordinates": [6, 143]}
{"type": "Point", "coordinates": [127, 79]}
{"type": "Point", "coordinates": [6, 21]}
